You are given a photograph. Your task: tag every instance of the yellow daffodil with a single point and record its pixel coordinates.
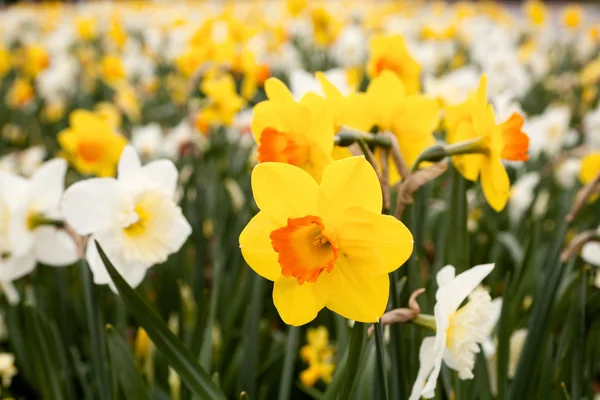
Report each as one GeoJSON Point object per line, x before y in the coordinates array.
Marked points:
{"type": "Point", "coordinates": [411, 118]}
{"type": "Point", "coordinates": [36, 60]}
{"type": "Point", "coordinates": [297, 133]}
{"type": "Point", "coordinates": [223, 102]}
{"type": "Point", "coordinates": [324, 27]}
{"type": "Point", "coordinates": [590, 168]}
{"type": "Point", "coordinates": [113, 70]}
{"type": "Point", "coordinates": [474, 121]}
{"type": "Point", "coordinates": [572, 16]}
{"type": "Point", "coordinates": [91, 144]}
{"type": "Point", "coordinates": [117, 32]}
{"type": "Point", "coordinates": [110, 113]}
{"type": "Point", "coordinates": [126, 99]}
{"type": "Point", "coordinates": [390, 53]}
{"type": "Point", "coordinates": [324, 245]}
{"type": "Point", "coordinates": [5, 63]}
{"type": "Point", "coordinates": [318, 354]}
{"type": "Point", "coordinates": [536, 12]}
{"type": "Point", "coordinates": [86, 27]}
{"type": "Point", "coordinates": [295, 7]}
{"type": "Point", "coordinates": [188, 62]}
{"type": "Point", "coordinates": [20, 93]}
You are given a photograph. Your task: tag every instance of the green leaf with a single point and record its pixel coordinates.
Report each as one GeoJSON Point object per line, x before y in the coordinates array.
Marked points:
{"type": "Point", "coordinates": [169, 345]}
{"type": "Point", "coordinates": [121, 359]}
{"type": "Point", "coordinates": [291, 350]}
{"type": "Point", "coordinates": [46, 368]}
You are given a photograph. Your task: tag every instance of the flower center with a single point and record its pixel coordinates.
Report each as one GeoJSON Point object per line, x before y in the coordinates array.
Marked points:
{"type": "Point", "coordinates": [138, 227]}
{"type": "Point", "coordinates": [386, 63]}
{"type": "Point", "coordinates": [281, 147]}
{"type": "Point", "coordinates": [468, 328]}
{"type": "Point", "coordinates": [305, 249]}
{"type": "Point", "coordinates": [90, 151]}
{"type": "Point", "coordinates": [516, 142]}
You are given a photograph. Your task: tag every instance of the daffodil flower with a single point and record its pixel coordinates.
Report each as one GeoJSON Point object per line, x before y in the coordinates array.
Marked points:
{"type": "Point", "coordinates": [28, 207]}
{"type": "Point", "coordinates": [389, 53]}
{"type": "Point", "coordinates": [297, 133]}
{"type": "Point", "coordinates": [134, 218]}
{"type": "Point", "coordinates": [324, 245]}
{"type": "Point", "coordinates": [458, 331]}
{"type": "Point", "coordinates": [474, 121]}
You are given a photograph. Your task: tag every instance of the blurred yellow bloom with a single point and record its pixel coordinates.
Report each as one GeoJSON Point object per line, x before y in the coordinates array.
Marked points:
{"type": "Point", "coordinates": [390, 53]}
{"type": "Point", "coordinates": [142, 345]}
{"type": "Point", "coordinates": [117, 33]}
{"type": "Point", "coordinates": [318, 354]}
{"type": "Point", "coordinates": [20, 93]}
{"type": "Point", "coordinates": [411, 118]}
{"type": "Point", "coordinates": [5, 63]}
{"type": "Point", "coordinates": [86, 27]}
{"type": "Point", "coordinates": [536, 12]}
{"type": "Point", "coordinates": [36, 60]}
{"type": "Point", "coordinates": [113, 70]}
{"type": "Point", "coordinates": [295, 7]}
{"type": "Point", "coordinates": [590, 168]}
{"type": "Point", "coordinates": [224, 102]}
{"type": "Point", "coordinates": [474, 120]}
{"type": "Point", "coordinates": [126, 100]}
{"type": "Point", "coordinates": [110, 113]}
{"type": "Point", "coordinates": [436, 32]}
{"type": "Point", "coordinates": [590, 74]}
{"type": "Point", "coordinates": [324, 245]}
{"type": "Point", "coordinates": [91, 144]}
{"type": "Point", "coordinates": [188, 62]}
{"type": "Point", "coordinates": [324, 27]}
{"type": "Point", "coordinates": [572, 16]}
{"type": "Point", "coordinates": [297, 133]}
{"type": "Point", "coordinates": [53, 111]}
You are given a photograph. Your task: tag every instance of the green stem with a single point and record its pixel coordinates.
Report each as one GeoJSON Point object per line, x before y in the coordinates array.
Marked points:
{"type": "Point", "coordinates": [380, 353]}
{"type": "Point", "coordinates": [425, 321]}
{"type": "Point", "coordinates": [291, 350]}
{"type": "Point", "coordinates": [96, 331]}
{"type": "Point", "coordinates": [438, 152]}
{"type": "Point", "coordinates": [347, 137]}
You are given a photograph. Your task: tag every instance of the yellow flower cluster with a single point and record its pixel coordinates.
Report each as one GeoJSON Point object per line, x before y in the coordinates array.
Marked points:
{"type": "Point", "coordinates": [318, 354]}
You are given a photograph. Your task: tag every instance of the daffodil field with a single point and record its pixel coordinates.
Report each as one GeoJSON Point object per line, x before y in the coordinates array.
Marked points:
{"type": "Point", "coordinates": [300, 199]}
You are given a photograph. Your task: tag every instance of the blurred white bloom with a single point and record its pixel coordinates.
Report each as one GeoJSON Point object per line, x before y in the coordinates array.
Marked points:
{"type": "Point", "coordinates": [590, 252]}
{"type": "Point", "coordinates": [567, 171]}
{"type": "Point", "coordinates": [147, 140]}
{"type": "Point", "coordinates": [591, 128]}
{"type": "Point", "coordinates": [458, 331]}
{"type": "Point", "coordinates": [30, 160]}
{"type": "Point", "coordinates": [26, 206]}
{"type": "Point", "coordinates": [516, 342]}
{"type": "Point", "coordinates": [540, 207]}
{"type": "Point", "coordinates": [350, 47]}
{"type": "Point", "coordinates": [547, 131]}
{"type": "Point", "coordinates": [58, 82]}
{"type": "Point", "coordinates": [133, 218]}
{"type": "Point", "coordinates": [454, 87]}
{"type": "Point", "coordinates": [302, 82]}
{"type": "Point", "coordinates": [7, 368]}
{"type": "Point", "coordinates": [8, 163]}
{"type": "Point", "coordinates": [522, 195]}
{"type": "Point", "coordinates": [431, 54]}
{"type": "Point", "coordinates": [179, 137]}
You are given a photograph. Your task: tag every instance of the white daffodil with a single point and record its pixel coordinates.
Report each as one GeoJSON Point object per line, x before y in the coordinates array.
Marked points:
{"type": "Point", "coordinates": [302, 82]}
{"type": "Point", "coordinates": [458, 331]}
{"type": "Point", "coordinates": [590, 252]}
{"type": "Point", "coordinates": [547, 131]}
{"type": "Point", "coordinates": [147, 140]}
{"type": "Point", "coordinates": [27, 209]}
{"type": "Point", "coordinates": [134, 218]}
{"type": "Point", "coordinates": [522, 194]}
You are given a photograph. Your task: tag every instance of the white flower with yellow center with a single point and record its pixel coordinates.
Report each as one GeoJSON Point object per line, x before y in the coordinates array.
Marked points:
{"type": "Point", "coordinates": [458, 331]}
{"type": "Point", "coordinates": [134, 218]}
{"type": "Point", "coordinates": [28, 210]}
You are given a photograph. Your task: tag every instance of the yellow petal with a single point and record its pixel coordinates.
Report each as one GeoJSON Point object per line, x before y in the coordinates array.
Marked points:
{"type": "Point", "coordinates": [255, 243]}
{"type": "Point", "coordinates": [357, 112]}
{"type": "Point", "coordinates": [469, 165]}
{"type": "Point", "coordinates": [373, 243]}
{"type": "Point", "coordinates": [298, 304]}
{"type": "Point", "coordinates": [277, 91]}
{"type": "Point", "coordinates": [265, 116]}
{"type": "Point", "coordinates": [82, 118]}
{"type": "Point", "coordinates": [358, 295]}
{"type": "Point", "coordinates": [590, 167]}
{"type": "Point", "coordinates": [350, 182]}
{"type": "Point", "coordinates": [320, 130]}
{"type": "Point", "coordinates": [284, 191]}
{"type": "Point", "coordinates": [495, 182]}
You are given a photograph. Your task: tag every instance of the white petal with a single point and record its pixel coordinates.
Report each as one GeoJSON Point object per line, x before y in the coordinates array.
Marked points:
{"type": "Point", "coordinates": [54, 246]}
{"type": "Point", "coordinates": [591, 253]}
{"type": "Point", "coordinates": [445, 275]}
{"type": "Point", "coordinates": [14, 268]}
{"type": "Point", "coordinates": [133, 276]}
{"type": "Point", "coordinates": [163, 174]}
{"type": "Point", "coordinates": [95, 263]}
{"type": "Point", "coordinates": [14, 190]}
{"type": "Point", "coordinates": [91, 205]}
{"type": "Point", "coordinates": [426, 365]}
{"type": "Point", "coordinates": [180, 232]}
{"type": "Point", "coordinates": [494, 315]}
{"type": "Point", "coordinates": [442, 321]}
{"type": "Point", "coordinates": [48, 184]}
{"type": "Point", "coordinates": [451, 295]}
{"type": "Point", "coordinates": [21, 238]}
{"type": "Point", "coordinates": [129, 163]}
